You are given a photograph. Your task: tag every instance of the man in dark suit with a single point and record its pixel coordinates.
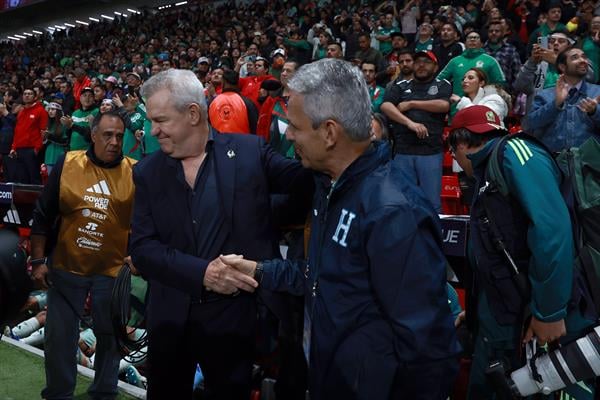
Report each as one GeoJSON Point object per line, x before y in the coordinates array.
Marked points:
{"type": "Point", "coordinates": [205, 194]}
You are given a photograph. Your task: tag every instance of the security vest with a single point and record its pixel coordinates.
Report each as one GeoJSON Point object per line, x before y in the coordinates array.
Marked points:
{"type": "Point", "coordinates": [228, 113]}
{"type": "Point", "coordinates": [494, 275]}
{"type": "Point", "coordinates": [95, 205]}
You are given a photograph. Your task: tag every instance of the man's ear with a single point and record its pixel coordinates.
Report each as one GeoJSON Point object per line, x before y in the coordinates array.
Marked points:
{"type": "Point", "coordinates": [332, 133]}
{"type": "Point", "coordinates": [195, 114]}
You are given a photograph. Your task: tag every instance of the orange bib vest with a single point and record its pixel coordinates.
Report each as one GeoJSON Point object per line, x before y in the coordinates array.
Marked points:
{"type": "Point", "coordinates": [95, 206]}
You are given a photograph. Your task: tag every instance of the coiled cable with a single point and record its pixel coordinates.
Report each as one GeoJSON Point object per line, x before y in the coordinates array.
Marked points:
{"type": "Point", "coordinates": [131, 336]}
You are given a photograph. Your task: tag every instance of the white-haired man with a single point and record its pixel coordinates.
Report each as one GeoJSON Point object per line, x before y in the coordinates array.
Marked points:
{"type": "Point", "coordinates": [204, 194]}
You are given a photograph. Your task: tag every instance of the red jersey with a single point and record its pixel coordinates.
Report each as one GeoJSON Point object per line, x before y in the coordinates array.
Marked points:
{"type": "Point", "coordinates": [250, 87]}
{"type": "Point", "coordinates": [31, 121]}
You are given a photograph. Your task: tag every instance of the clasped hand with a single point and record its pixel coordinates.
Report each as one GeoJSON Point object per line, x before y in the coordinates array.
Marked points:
{"type": "Point", "coordinates": [229, 274]}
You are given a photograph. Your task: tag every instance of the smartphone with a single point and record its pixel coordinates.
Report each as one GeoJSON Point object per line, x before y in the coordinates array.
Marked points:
{"type": "Point", "coordinates": [250, 58]}
{"type": "Point", "coordinates": [543, 41]}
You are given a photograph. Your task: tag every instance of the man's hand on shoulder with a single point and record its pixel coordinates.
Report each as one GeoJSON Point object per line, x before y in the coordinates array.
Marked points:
{"type": "Point", "coordinates": [222, 278]}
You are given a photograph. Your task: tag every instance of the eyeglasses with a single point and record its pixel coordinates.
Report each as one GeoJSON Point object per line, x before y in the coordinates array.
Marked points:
{"type": "Point", "coordinates": [474, 37]}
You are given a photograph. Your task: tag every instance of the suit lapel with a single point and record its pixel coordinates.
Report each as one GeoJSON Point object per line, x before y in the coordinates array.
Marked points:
{"type": "Point", "coordinates": [225, 165]}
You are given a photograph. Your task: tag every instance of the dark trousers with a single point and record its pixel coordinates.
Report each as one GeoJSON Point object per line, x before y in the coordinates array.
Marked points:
{"type": "Point", "coordinates": [24, 168]}
{"type": "Point", "coordinates": [220, 337]}
{"type": "Point", "coordinates": [428, 381]}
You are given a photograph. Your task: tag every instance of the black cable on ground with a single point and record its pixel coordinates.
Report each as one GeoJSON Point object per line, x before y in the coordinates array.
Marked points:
{"type": "Point", "coordinates": [120, 310]}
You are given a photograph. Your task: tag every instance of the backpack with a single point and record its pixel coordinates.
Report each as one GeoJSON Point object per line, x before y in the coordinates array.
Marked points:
{"type": "Point", "coordinates": [580, 188]}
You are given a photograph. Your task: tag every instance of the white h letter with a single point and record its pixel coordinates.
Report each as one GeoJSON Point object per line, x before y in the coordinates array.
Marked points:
{"type": "Point", "coordinates": [343, 226]}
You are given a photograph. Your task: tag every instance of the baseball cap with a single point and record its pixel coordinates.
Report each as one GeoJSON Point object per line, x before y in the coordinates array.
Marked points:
{"type": "Point", "coordinates": [135, 74]}
{"type": "Point", "coordinates": [111, 79]}
{"type": "Point", "coordinates": [58, 95]}
{"type": "Point", "coordinates": [477, 119]}
{"type": "Point", "coordinates": [259, 58]}
{"type": "Point", "coordinates": [87, 89]}
{"type": "Point", "coordinates": [203, 60]}
{"type": "Point", "coordinates": [428, 54]}
{"type": "Point", "coordinates": [278, 52]}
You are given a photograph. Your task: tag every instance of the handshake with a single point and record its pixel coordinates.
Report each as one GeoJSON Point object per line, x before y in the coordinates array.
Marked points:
{"type": "Point", "coordinates": [229, 274]}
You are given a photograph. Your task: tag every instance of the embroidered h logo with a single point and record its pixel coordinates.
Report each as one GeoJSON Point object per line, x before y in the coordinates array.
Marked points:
{"type": "Point", "coordinates": [343, 227]}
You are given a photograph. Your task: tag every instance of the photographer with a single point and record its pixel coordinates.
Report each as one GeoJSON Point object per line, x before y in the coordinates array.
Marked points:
{"type": "Point", "coordinates": [522, 247]}
{"type": "Point", "coordinates": [14, 282]}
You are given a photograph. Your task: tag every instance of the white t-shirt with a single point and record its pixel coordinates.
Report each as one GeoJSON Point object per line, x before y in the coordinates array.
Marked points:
{"type": "Point", "coordinates": [409, 21]}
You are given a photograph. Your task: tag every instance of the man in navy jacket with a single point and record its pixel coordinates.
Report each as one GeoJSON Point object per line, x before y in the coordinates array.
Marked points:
{"type": "Point", "coordinates": [204, 194]}
{"type": "Point", "coordinates": [377, 322]}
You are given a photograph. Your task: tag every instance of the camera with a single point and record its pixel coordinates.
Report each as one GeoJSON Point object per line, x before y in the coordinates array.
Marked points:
{"type": "Point", "coordinates": [545, 373]}
{"type": "Point", "coordinates": [15, 284]}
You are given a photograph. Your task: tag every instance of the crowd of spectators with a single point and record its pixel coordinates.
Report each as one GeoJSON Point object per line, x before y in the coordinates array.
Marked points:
{"type": "Point", "coordinates": [422, 59]}
{"type": "Point", "coordinates": [494, 52]}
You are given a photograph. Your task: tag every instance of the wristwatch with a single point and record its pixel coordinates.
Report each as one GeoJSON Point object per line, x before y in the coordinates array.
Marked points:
{"type": "Point", "coordinates": [38, 261]}
{"type": "Point", "coordinates": [258, 272]}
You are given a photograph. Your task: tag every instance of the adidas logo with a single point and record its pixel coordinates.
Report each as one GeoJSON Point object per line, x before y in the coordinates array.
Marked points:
{"type": "Point", "coordinates": [12, 216]}
{"type": "Point", "coordinates": [99, 188]}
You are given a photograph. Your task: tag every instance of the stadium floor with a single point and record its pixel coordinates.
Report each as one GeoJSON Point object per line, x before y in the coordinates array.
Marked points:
{"type": "Point", "coordinates": [22, 376]}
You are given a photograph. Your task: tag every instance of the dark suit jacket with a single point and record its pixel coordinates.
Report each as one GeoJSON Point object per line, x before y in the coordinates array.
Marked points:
{"type": "Point", "coordinates": [162, 243]}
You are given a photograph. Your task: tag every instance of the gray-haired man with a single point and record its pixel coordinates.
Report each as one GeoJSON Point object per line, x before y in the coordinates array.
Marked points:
{"type": "Point", "coordinates": [377, 323]}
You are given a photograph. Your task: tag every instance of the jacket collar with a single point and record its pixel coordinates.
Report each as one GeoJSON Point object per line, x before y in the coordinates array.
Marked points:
{"type": "Point", "coordinates": [472, 53]}
{"type": "Point", "coordinates": [92, 156]}
{"type": "Point", "coordinates": [375, 155]}
{"type": "Point", "coordinates": [224, 151]}
{"type": "Point", "coordinates": [479, 159]}
{"type": "Point", "coordinates": [225, 155]}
